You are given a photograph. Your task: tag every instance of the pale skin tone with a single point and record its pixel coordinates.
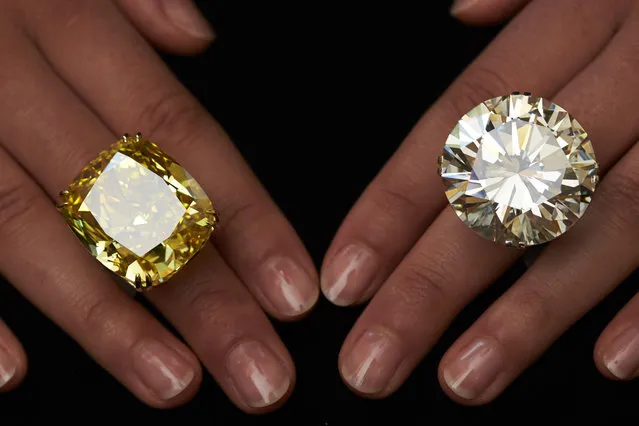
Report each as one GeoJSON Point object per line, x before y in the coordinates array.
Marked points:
{"type": "Point", "coordinates": [82, 73]}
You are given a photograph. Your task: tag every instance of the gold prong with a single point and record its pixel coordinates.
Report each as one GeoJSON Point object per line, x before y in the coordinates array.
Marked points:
{"type": "Point", "coordinates": [62, 205]}
{"type": "Point", "coordinates": [594, 179]}
{"type": "Point", "coordinates": [64, 193]}
{"type": "Point", "coordinates": [125, 136]}
{"type": "Point", "coordinates": [214, 221]}
{"type": "Point", "coordinates": [521, 244]}
{"type": "Point", "coordinates": [138, 282]}
{"type": "Point", "coordinates": [138, 135]}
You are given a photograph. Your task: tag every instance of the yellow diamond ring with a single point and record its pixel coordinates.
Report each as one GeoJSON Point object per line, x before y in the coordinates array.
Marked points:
{"type": "Point", "coordinates": [138, 212]}
{"type": "Point", "coordinates": [519, 170]}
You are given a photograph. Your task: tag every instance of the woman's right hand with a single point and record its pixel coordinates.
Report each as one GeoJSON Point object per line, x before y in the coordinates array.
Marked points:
{"type": "Point", "coordinates": [75, 74]}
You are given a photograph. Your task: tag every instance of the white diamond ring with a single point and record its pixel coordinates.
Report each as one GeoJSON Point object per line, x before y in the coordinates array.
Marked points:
{"type": "Point", "coordinates": [519, 170]}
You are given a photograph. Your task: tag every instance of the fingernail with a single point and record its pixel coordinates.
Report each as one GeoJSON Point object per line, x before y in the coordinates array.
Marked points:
{"type": "Point", "coordinates": [259, 377]}
{"type": "Point", "coordinates": [161, 369]}
{"type": "Point", "coordinates": [349, 274]}
{"type": "Point", "coordinates": [288, 288]}
{"type": "Point", "coordinates": [186, 16]}
{"type": "Point", "coordinates": [371, 363]}
{"type": "Point", "coordinates": [461, 6]}
{"type": "Point", "coordinates": [8, 367]}
{"type": "Point", "coordinates": [475, 369]}
{"type": "Point", "coordinates": [622, 357]}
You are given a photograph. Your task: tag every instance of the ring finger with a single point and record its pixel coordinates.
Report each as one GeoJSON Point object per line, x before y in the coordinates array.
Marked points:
{"type": "Point", "coordinates": [564, 283]}
{"type": "Point", "coordinates": [46, 266]}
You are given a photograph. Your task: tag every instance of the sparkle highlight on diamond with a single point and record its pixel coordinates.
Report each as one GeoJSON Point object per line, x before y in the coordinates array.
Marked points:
{"type": "Point", "coordinates": [519, 170]}
{"type": "Point", "coordinates": [138, 212]}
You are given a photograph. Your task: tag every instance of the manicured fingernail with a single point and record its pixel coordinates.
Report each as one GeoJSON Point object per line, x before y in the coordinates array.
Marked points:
{"type": "Point", "coordinates": [349, 274]}
{"type": "Point", "coordinates": [622, 357]}
{"type": "Point", "coordinates": [474, 370]}
{"type": "Point", "coordinates": [371, 363]}
{"type": "Point", "coordinates": [8, 366]}
{"type": "Point", "coordinates": [258, 375]}
{"type": "Point", "coordinates": [289, 289]}
{"type": "Point", "coordinates": [462, 5]}
{"type": "Point", "coordinates": [161, 369]}
{"type": "Point", "coordinates": [187, 17]}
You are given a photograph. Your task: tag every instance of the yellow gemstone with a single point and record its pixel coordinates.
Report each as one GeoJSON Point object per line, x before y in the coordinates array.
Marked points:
{"type": "Point", "coordinates": [138, 212]}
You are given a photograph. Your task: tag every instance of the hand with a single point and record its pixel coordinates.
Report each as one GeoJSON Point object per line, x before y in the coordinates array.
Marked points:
{"type": "Point", "coordinates": [403, 246]}
{"type": "Point", "coordinates": [75, 76]}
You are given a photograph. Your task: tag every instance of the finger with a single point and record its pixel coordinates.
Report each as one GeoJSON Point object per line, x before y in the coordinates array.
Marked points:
{"type": "Point", "coordinates": [569, 278]}
{"type": "Point", "coordinates": [486, 12]}
{"type": "Point", "coordinates": [210, 308]}
{"type": "Point", "coordinates": [229, 332]}
{"type": "Point", "coordinates": [136, 91]}
{"type": "Point", "coordinates": [42, 260]}
{"type": "Point", "coordinates": [617, 350]}
{"type": "Point", "coordinates": [450, 264]}
{"type": "Point", "coordinates": [173, 25]}
{"type": "Point", "coordinates": [406, 196]}
{"type": "Point", "coordinates": [13, 361]}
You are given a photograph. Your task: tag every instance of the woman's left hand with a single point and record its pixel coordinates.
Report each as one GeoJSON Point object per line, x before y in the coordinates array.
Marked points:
{"type": "Point", "coordinates": [403, 245]}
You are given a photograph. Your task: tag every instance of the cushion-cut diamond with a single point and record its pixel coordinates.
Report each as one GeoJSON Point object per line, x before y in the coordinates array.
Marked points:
{"type": "Point", "coordinates": [138, 212]}
{"type": "Point", "coordinates": [519, 170]}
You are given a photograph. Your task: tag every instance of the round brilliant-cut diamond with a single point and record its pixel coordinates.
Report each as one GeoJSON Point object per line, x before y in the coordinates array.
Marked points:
{"type": "Point", "coordinates": [519, 170]}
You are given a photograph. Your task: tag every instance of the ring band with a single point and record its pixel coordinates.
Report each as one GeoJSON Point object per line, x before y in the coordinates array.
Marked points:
{"type": "Point", "coordinates": [519, 170]}
{"type": "Point", "coordinates": [138, 212]}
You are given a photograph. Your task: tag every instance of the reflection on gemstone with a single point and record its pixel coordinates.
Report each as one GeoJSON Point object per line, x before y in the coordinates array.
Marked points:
{"type": "Point", "coordinates": [138, 212]}
{"type": "Point", "coordinates": [133, 205]}
{"type": "Point", "coordinates": [519, 170]}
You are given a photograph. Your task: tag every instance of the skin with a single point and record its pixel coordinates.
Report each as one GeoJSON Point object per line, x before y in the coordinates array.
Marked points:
{"type": "Point", "coordinates": [85, 74]}
{"type": "Point", "coordinates": [423, 265]}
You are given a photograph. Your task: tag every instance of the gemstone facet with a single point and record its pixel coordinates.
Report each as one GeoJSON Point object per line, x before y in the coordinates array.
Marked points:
{"type": "Point", "coordinates": [519, 170]}
{"type": "Point", "coordinates": [138, 212]}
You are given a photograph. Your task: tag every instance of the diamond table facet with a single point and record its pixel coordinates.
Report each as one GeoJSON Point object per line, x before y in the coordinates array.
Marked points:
{"type": "Point", "coordinates": [519, 170]}
{"type": "Point", "coordinates": [138, 212]}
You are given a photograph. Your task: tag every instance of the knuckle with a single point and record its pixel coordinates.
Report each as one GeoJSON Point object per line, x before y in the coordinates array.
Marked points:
{"type": "Point", "coordinates": [243, 216]}
{"type": "Point", "coordinates": [395, 203]}
{"type": "Point", "coordinates": [213, 306]}
{"type": "Point", "coordinates": [101, 318]}
{"type": "Point", "coordinates": [531, 308]}
{"type": "Point", "coordinates": [17, 203]}
{"type": "Point", "coordinates": [172, 115]}
{"type": "Point", "coordinates": [476, 86]}
{"type": "Point", "coordinates": [424, 283]}
{"type": "Point", "coordinates": [621, 190]}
